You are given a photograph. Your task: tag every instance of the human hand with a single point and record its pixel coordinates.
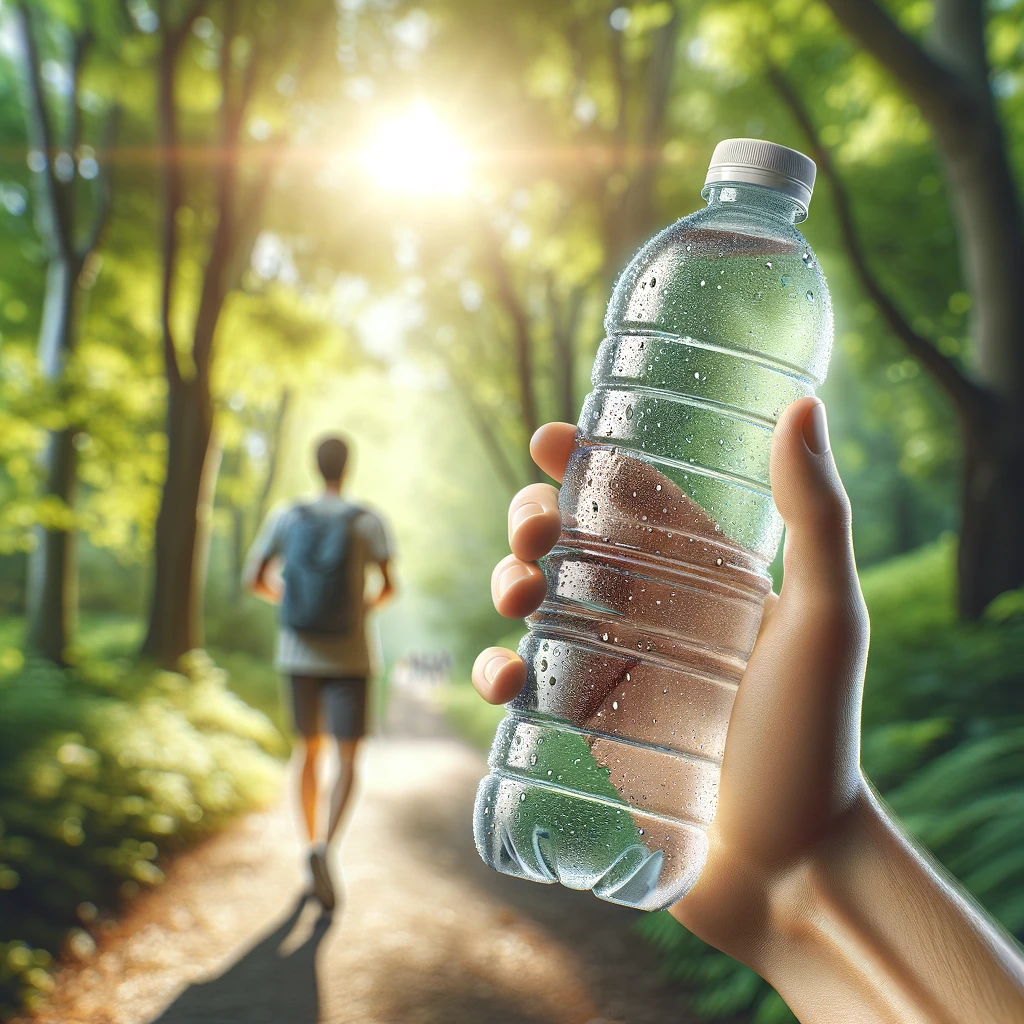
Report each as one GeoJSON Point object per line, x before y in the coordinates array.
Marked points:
{"type": "Point", "coordinates": [809, 879]}
{"type": "Point", "coordinates": [791, 767]}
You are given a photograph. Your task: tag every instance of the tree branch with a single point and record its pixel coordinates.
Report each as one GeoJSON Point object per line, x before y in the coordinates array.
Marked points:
{"type": "Point", "coordinates": [488, 436]}
{"type": "Point", "coordinates": [520, 326]}
{"type": "Point", "coordinates": [563, 333]}
{"type": "Point", "coordinates": [79, 49]}
{"type": "Point", "coordinates": [56, 212]}
{"type": "Point", "coordinates": [167, 118]}
{"type": "Point", "coordinates": [176, 36]}
{"type": "Point", "coordinates": [964, 394]}
{"type": "Point", "coordinates": [273, 453]}
{"type": "Point", "coordinates": [958, 37]}
{"type": "Point", "coordinates": [932, 86]}
{"type": "Point", "coordinates": [217, 265]}
{"type": "Point", "coordinates": [101, 210]}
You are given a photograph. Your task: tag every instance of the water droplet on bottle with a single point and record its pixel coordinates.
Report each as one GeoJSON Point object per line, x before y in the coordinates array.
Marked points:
{"type": "Point", "coordinates": [703, 283]}
{"type": "Point", "coordinates": [809, 296]}
{"type": "Point", "coordinates": [784, 280]}
{"type": "Point", "coordinates": [657, 487]}
{"type": "Point", "coordinates": [533, 759]}
{"type": "Point", "coordinates": [654, 281]}
{"type": "Point", "coordinates": [718, 561]}
{"type": "Point", "coordinates": [604, 636]}
{"type": "Point", "coordinates": [768, 264]}
{"type": "Point", "coordinates": [543, 664]}
{"type": "Point", "coordinates": [615, 705]}
{"type": "Point", "coordinates": [629, 412]}
{"type": "Point", "coordinates": [641, 831]}
{"type": "Point", "coordinates": [522, 797]}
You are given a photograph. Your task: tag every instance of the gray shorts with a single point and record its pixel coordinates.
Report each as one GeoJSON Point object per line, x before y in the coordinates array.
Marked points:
{"type": "Point", "coordinates": [329, 705]}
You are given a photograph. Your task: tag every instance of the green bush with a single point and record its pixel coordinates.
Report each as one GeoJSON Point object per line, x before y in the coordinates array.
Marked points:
{"type": "Point", "coordinates": [943, 741]}
{"type": "Point", "coordinates": [103, 769]}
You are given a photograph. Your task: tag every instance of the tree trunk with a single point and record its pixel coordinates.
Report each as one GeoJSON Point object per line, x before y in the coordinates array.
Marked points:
{"type": "Point", "coordinates": [175, 622]}
{"type": "Point", "coordinates": [237, 552]}
{"type": "Point", "coordinates": [51, 567]}
{"type": "Point", "coordinates": [950, 82]}
{"type": "Point", "coordinates": [274, 440]}
{"type": "Point", "coordinates": [51, 588]}
{"type": "Point", "coordinates": [990, 559]}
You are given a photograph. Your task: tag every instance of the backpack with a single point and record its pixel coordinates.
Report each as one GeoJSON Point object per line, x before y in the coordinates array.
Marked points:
{"type": "Point", "coordinates": [317, 554]}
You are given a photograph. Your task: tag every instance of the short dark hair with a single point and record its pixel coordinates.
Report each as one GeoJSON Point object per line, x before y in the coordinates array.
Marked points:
{"type": "Point", "coordinates": [331, 456]}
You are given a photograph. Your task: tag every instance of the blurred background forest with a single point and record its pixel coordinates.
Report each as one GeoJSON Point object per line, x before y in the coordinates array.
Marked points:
{"type": "Point", "coordinates": [230, 226]}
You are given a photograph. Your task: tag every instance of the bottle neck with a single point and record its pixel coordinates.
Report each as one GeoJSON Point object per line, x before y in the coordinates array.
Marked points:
{"type": "Point", "coordinates": [764, 200]}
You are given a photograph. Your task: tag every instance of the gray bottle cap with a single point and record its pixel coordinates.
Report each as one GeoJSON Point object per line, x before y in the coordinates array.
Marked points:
{"type": "Point", "coordinates": [764, 163]}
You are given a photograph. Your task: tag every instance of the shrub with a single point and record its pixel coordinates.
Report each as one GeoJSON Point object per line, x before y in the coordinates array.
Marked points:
{"type": "Point", "coordinates": [103, 769]}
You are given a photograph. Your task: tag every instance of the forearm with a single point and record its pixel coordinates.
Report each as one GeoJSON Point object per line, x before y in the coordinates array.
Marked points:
{"type": "Point", "coordinates": [869, 931]}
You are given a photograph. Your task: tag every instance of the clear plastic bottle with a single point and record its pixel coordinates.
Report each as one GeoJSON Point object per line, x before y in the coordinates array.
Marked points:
{"type": "Point", "coordinates": [604, 775]}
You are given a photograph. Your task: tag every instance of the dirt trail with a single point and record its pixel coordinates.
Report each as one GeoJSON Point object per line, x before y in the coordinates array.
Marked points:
{"type": "Point", "coordinates": [426, 933]}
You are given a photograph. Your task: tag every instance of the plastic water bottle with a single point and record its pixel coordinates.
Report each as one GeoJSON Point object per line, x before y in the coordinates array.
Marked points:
{"type": "Point", "coordinates": [604, 775]}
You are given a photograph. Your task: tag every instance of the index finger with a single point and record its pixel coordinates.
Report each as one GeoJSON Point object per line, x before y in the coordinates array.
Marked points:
{"type": "Point", "coordinates": [551, 446]}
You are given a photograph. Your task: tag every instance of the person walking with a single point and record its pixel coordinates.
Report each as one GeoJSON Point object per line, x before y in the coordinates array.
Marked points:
{"type": "Point", "coordinates": [324, 547]}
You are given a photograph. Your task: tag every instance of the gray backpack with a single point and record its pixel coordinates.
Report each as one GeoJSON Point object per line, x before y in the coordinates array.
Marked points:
{"type": "Point", "coordinates": [317, 554]}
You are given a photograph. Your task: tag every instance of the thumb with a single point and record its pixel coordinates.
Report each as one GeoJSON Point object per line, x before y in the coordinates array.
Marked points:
{"type": "Point", "coordinates": [818, 557]}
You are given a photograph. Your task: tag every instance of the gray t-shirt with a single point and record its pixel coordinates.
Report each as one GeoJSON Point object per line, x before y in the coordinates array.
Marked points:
{"type": "Point", "coordinates": [312, 654]}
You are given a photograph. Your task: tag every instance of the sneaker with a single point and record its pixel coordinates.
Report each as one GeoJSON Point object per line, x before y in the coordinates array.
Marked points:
{"type": "Point", "coordinates": [323, 887]}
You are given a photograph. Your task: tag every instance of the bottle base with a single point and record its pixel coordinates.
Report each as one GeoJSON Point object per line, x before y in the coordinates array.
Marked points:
{"type": "Point", "coordinates": [624, 856]}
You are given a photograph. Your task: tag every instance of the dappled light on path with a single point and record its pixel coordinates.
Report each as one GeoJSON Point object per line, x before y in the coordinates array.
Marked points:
{"type": "Point", "coordinates": [424, 934]}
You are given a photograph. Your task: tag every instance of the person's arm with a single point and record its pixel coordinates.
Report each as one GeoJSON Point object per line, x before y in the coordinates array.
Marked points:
{"type": "Point", "coordinates": [378, 551]}
{"type": "Point", "coordinates": [869, 929]}
{"type": "Point", "coordinates": [809, 879]}
{"type": "Point", "coordinates": [387, 585]}
{"type": "Point", "coordinates": [263, 583]}
{"type": "Point", "coordinates": [258, 575]}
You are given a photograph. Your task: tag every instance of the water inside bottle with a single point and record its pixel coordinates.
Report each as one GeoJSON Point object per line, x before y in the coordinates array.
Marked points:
{"type": "Point", "coordinates": [604, 776]}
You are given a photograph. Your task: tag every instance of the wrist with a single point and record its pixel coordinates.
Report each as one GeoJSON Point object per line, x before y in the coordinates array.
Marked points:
{"type": "Point", "coordinates": [806, 898]}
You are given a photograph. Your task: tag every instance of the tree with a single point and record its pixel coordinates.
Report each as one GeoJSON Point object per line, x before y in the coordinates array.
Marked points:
{"type": "Point", "coordinates": [71, 226]}
{"type": "Point", "coordinates": [544, 244]}
{"type": "Point", "coordinates": [252, 51]}
{"type": "Point", "coordinates": [948, 77]}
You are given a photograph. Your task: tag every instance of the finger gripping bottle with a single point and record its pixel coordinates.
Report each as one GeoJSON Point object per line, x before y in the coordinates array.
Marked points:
{"type": "Point", "coordinates": [604, 774]}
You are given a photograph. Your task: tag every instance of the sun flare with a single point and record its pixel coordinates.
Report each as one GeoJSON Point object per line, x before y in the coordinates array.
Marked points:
{"type": "Point", "coordinates": [417, 154]}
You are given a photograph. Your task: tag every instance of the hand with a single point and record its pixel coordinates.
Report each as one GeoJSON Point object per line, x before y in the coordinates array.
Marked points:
{"type": "Point", "coordinates": [808, 880]}
{"type": "Point", "coordinates": [382, 596]}
{"type": "Point", "coordinates": [791, 767]}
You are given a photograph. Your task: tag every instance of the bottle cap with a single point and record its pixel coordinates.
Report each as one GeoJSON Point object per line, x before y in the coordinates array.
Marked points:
{"type": "Point", "coordinates": [764, 163]}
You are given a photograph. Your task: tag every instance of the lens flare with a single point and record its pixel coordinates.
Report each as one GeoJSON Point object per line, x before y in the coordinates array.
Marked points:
{"type": "Point", "coordinates": [417, 154]}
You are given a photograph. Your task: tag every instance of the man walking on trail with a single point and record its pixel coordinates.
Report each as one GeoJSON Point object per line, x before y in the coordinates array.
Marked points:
{"type": "Point", "coordinates": [325, 546]}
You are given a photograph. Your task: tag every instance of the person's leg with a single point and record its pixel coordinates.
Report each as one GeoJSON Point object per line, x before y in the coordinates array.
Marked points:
{"type": "Point", "coordinates": [307, 719]}
{"type": "Point", "coordinates": [308, 794]}
{"type": "Point", "coordinates": [345, 711]}
{"type": "Point", "coordinates": [347, 750]}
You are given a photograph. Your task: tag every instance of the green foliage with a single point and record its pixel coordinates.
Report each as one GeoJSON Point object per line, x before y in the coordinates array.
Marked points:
{"type": "Point", "coordinates": [943, 742]}
{"type": "Point", "coordinates": [473, 719]}
{"type": "Point", "coordinates": [104, 770]}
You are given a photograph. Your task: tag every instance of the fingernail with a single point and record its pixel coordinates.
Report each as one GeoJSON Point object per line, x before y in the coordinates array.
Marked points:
{"type": "Point", "coordinates": [494, 666]}
{"type": "Point", "coordinates": [524, 512]}
{"type": "Point", "coordinates": [815, 429]}
{"type": "Point", "coordinates": [512, 575]}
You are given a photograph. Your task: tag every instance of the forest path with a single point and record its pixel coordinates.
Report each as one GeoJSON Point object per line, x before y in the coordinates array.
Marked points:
{"type": "Point", "coordinates": [426, 934]}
